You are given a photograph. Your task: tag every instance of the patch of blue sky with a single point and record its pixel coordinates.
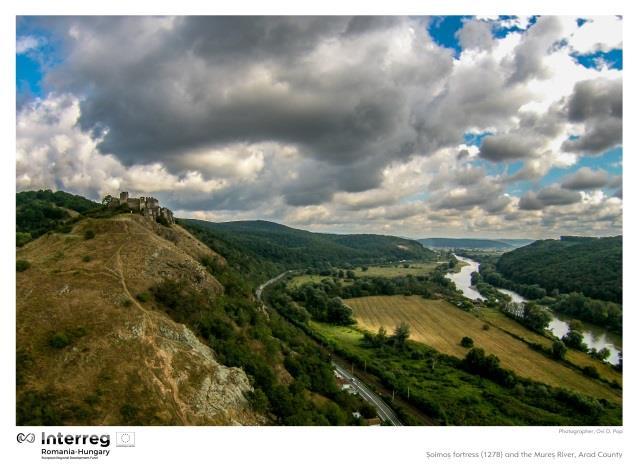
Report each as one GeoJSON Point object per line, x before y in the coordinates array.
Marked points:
{"type": "Point", "coordinates": [443, 31]}
{"type": "Point", "coordinates": [613, 59]}
{"type": "Point", "coordinates": [471, 138]}
{"type": "Point", "coordinates": [31, 65]}
{"type": "Point", "coordinates": [500, 31]}
{"type": "Point", "coordinates": [610, 162]}
{"type": "Point", "coordinates": [28, 75]}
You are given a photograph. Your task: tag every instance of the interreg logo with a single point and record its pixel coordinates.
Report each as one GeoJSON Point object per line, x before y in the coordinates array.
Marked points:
{"type": "Point", "coordinates": [28, 438]}
{"type": "Point", "coordinates": [69, 446]}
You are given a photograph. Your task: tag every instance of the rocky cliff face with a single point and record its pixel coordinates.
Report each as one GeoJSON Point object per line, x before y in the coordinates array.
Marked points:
{"type": "Point", "coordinates": [93, 349]}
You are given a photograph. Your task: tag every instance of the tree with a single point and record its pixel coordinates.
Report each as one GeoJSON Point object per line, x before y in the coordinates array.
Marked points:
{"type": "Point", "coordinates": [107, 200]}
{"type": "Point", "coordinates": [558, 350]}
{"type": "Point", "coordinates": [381, 337]}
{"type": "Point", "coordinates": [22, 238]}
{"type": "Point", "coordinates": [466, 342]}
{"type": "Point", "coordinates": [401, 334]}
{"type": "Point", "coordinates": [535, 317]}
{"type": "Point", "coordinates": [602, 354]}
{"type": "Point", "coordinates": [350, 274]}
{"type": "Point", "coordinates": [316, 301]}
{"type": "Point", "coordinates": [22, 265]}
{"type": "Point", "coordinates": [338, 312]}
{"type": "Point", "coordinates": [574, 340]}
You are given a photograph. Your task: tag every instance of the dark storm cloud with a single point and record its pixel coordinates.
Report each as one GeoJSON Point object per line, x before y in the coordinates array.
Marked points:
{"type": "Point", "coordinates": [161, 88]}
{"type": "Point", "coordinates": [549, 196]}
{"type": "Point", "coordinates": [598, 104]}
{"type": "Point", "coordinates": [586, 179]}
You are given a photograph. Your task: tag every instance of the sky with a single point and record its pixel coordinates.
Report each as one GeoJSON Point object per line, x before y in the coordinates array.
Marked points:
{"type": "Point", "coordinates": [456, 126]}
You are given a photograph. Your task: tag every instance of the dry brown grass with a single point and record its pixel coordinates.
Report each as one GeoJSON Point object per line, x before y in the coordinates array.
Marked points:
{"type": "Point", "coordinates": [441, 325]}
{"type": "Point", "coordinates": [122, 351]}
{"type": "Point", "coordinates": [580, 359]}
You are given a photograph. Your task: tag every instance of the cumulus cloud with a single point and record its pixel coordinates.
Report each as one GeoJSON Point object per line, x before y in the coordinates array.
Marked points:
{"type": "Point", "coordinates": [476, 34]}
{"type": "Point", "coordinates": [554, 195]}
{"type": "Point", "coordinates": [586, 179]}
{"type": "Point", "coordinates": [603, 33]}
{"type": "Point", "coordinates": [598, 105]}
{"type": "Point", "coordinates": [529, 54]}
{"type": "Point", "coordinates": [353, 124]}
{"type": "Point", "coordinates": [26, 43]}
{"type": "Point", "coordinates": [508, 147]}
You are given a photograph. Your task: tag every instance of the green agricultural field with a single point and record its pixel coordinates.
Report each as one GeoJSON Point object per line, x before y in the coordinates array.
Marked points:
{"type": "Point", "coordinates": [297, 281]}
{"type": "Point", "coordinates": [394, 270]}
{"type": "Point", "coordinates": [441, 325]}
{"type": "Point", "coordinates": [385, 271]}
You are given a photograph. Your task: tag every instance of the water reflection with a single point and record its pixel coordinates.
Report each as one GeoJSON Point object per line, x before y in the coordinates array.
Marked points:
{"type": "Point", "coordinates": [593, 336]}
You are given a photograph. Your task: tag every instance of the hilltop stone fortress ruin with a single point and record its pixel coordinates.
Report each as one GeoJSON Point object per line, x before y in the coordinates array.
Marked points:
{"type": "Point", "coordinates": [146, 206]}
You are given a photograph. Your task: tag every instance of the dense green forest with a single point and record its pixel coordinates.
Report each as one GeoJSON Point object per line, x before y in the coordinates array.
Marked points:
{"type": "Point", "coordinates": [473, 243]}
{"type": "Point", "coordinates": [40, 211]}
{"type": "Point", "coordinates": [592, 266]}
{"type": "Point", "coordinates": [298, 248]}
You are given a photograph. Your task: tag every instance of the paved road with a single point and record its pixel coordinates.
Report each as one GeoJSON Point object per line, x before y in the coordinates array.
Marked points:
{"type": "Point", "coordinates": [382, 409]}
{"type": "Point", "coordinates": [258, 291]}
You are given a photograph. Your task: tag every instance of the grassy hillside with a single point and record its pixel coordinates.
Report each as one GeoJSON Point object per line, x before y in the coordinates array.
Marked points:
{"type": "Point", "coordinates": [123, 321]}
{"type": "Point", "coordinates": [93, 347]}
{"type": "Point", "coordinates": [473, 243]}
{"type": "Point", "coordinates": [298, 248]}
{"type": "Point", "coordinates": [592, 266]}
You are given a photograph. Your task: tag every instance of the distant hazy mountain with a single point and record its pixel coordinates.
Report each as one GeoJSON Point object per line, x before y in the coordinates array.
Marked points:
{"type": "Point", "coordinates": [292, 247]}
{"type": "Point", "coordinates": [479, 243]}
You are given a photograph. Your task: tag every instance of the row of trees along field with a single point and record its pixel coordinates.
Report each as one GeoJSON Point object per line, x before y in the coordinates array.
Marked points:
{"type": "Point", "coordinates": [470, 391]}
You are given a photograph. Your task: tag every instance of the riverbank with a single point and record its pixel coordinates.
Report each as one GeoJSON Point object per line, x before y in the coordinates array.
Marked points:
{"type": "Point", "coordinates": [593, 336]}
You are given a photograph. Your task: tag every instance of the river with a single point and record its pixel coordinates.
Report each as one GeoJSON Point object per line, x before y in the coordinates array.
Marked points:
{"type": "Point", "coordinates": [462, 279]}
{"type": "Point", "coordinates": [593, 336]}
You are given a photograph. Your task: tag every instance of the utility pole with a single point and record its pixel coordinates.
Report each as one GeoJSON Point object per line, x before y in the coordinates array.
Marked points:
{"type": "Point", "coordinates": [352, 369]}
{"type": "Point", "coordinates": [408, 392]}
{"type": "Point", "coordinates": [392, 395]}
{"type": "Point", "coordinates": [365, 365]}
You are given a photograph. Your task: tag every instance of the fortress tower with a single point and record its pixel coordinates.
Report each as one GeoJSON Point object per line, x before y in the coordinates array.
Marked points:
{"type": "Point", "coordinates": [146, 206]}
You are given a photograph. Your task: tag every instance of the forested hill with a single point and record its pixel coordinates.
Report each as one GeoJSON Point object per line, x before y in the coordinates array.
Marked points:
{"type": "Point", "coordinates": [40, 211]}
{"type": "Point", "coordinates": [473, 243]}
{"type": "Point", "coordinates": [292, 247]}
{"type": "Point", "coordinates": [593, 266]}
